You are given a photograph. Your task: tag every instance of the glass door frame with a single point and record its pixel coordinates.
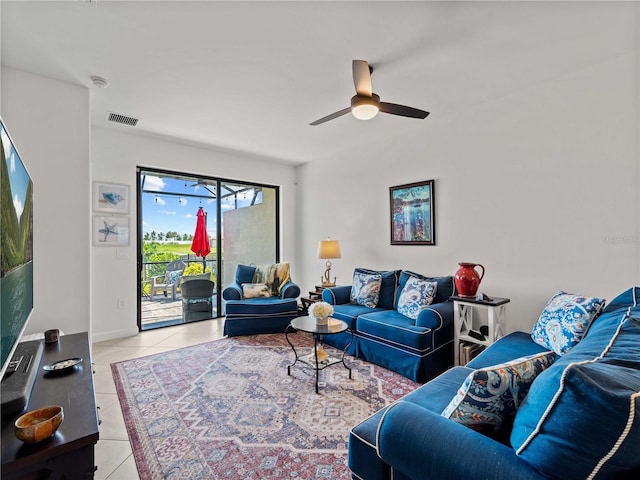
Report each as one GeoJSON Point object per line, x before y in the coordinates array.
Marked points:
{"type": "Point", "coordinates": [219, 181]}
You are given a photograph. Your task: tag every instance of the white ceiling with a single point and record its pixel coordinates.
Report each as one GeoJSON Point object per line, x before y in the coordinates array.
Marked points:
{"type": "Point", "coordinates": [251, 76]}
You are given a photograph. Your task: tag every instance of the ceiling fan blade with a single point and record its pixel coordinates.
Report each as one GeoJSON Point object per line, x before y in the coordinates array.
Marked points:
{"type": "Point", "coordinates": [402, 110]}
{"type": "Point", "coordinates": [362, 78]}
{"type": "Point", "coordinates": [332, 116]}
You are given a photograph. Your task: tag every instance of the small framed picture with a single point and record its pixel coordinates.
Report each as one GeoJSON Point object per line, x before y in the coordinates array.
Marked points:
{"type": "Point", "coordinates": [110, 198]}
{"type": "Point", "coordinates": [112, 230]}
{"type": "Point", "coordinates": [413, 214]}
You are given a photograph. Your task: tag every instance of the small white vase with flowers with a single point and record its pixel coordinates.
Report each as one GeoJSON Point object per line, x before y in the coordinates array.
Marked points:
{"type": "Point", "coordinates": [321, 312]}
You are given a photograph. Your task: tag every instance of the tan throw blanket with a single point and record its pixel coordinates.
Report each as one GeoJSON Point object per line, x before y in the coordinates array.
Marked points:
{"type": "Point", "coordinates": [274, 276]}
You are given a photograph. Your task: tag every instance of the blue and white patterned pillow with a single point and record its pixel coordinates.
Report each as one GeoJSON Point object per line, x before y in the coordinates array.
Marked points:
{"type": "Point", "coordinates": [416, 294]}
{"type": "Point", "coordinates": [565, 320]}
{"type": "Point", "coordinates": [366, 289]}
{"type": "Point", "coordinates": [490, 395]}
{"type": "Point", "coordinates": [172, 276]}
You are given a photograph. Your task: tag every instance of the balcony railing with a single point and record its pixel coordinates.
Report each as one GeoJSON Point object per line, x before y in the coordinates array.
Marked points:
{"type": "Point", "coordinates": [154, 269]}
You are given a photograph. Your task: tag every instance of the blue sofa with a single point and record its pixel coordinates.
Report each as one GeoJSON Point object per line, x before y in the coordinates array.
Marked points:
{"type": "Point", "coordinates": [418, 349]}
{"type": "Point", "coordinates": [580, 418]}
{"type": "Point", "coordinates": [250, 316]}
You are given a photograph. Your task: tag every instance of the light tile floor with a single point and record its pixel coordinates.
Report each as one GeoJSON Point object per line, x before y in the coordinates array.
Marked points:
{"type": "Point", "coordinates": [114, 457]}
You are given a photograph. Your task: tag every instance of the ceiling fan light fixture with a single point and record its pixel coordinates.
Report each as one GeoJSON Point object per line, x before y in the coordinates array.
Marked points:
{"type": "Point", "coordinates": [365, 108]}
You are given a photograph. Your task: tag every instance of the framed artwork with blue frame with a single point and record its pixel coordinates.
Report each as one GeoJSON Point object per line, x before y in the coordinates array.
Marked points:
{"type": "Point", "coordinates": [413, 214]}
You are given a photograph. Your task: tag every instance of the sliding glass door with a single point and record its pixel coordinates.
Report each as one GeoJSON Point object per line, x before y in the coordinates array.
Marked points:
{"type": "Point", "coordinates": [241, 224]}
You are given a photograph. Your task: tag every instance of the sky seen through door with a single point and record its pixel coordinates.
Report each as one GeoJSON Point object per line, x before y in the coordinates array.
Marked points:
{"type": "Point", "coordinates": [171, 204]}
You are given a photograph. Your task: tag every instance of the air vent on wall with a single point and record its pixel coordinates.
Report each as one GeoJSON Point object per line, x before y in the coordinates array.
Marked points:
{"type": "Point", "coordinates": [124, 119]}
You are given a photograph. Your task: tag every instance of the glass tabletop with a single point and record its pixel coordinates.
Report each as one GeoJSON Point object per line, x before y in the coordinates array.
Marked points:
{"type": "Point", "coordinates": [308, 324]}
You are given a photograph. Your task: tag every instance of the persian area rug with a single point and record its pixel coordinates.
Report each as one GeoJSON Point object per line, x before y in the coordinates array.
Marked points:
{"type": "Point", "coordinates": [228, 410]}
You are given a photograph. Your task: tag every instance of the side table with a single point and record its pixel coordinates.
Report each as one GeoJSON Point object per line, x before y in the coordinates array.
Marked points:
{"type": "Point", "coordinates": [309, 325]}
{"type": "Point", "coordinates": [313, 297]}
{"type": "Point", "coordinates": [467, 325]}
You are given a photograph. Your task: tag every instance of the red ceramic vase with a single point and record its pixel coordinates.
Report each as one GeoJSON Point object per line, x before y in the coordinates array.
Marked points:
{"type": "Point", "coordinates": [467, 279]}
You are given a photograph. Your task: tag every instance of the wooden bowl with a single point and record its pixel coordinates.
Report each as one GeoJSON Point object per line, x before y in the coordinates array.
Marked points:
{"type": "Point", "coordinates": [40, 424]}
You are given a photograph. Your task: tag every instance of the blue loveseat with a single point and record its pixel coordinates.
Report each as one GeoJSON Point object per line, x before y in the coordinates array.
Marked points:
{"type": "Point", "coordinates": [417, 348]}
{"type": "Point", "coordinates": [579, 420]}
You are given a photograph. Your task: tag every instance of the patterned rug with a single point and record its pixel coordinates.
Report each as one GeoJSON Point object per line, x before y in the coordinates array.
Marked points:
{"type": "Point", "coordinates": [228, 410]}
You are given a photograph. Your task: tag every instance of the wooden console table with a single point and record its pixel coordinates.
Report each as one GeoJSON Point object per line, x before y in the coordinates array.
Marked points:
{"type": "Point", "coordinates": [69, 453]}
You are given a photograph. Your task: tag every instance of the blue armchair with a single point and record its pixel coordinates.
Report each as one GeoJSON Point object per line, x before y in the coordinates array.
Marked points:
{"type": "Point", "coordinates": [260, 300]}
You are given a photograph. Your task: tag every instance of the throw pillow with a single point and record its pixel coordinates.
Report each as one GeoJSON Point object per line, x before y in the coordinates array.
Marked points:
{"type": "Point", "coordinates": [416, 295]}
{"type": "Point", "coordinates": [564, 321]}
{"type": "Point", "coordinates": [388, 287]}
{"type": "Point", "coordinates": [274, 276]}
{"type": "Point", "coordinates": [172, 276]}
{"type": "Point", "coordinates": [244, 274]}
{"type": "Point", "coordinates": [255, 290]}
{"type": "Point", "coordinates": [491, 395]}
{"type": "Point", "coordinates": [365, 289]}
{"type": "Point", "coordinates": [444, 291]}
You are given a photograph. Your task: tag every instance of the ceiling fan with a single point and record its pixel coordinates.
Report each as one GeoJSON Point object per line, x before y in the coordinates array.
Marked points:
{"type": "Point", "coordinates": [365, 104]}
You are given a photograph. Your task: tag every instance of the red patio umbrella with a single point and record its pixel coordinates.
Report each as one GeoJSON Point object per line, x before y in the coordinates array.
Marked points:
{"type": "Point", "coordinates": [200, 245]}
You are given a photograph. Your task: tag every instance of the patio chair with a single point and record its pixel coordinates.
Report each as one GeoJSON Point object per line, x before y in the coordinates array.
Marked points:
{"type": "Point", "coordinates": [197, 300]}
{"type": "Point", "coordinates": [169, 281]}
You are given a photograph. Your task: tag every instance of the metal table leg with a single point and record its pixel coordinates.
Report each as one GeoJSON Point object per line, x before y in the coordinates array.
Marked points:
{"type": "Point", "coordinates": [286, 335]}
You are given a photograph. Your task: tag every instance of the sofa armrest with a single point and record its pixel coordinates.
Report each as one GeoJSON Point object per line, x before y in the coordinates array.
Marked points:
{"type": "Point", "coordinates": [424, 445]}
{"type": "Point", "coordinates": [436, 316]}
{"type": "Point", "coordinates": [337, 295]}
{"type": "Point", "coordinates": [232, 292]}
{"type": "Point", "coordinates": [290, 290]}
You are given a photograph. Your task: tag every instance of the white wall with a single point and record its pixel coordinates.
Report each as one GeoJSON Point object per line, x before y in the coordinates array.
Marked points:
{"type": "Point", "coordinates": [540, 186]}
{"type": "Point", "coordinates": [114, 158]}
{"type": "Point", "coordinates": [49, 123]}
{"type": "Point", "coordinates": [249, 235]}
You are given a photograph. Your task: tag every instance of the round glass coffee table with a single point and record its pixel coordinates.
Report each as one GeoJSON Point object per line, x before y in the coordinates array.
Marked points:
{"type": "Point", "coordinates": [318, 359]}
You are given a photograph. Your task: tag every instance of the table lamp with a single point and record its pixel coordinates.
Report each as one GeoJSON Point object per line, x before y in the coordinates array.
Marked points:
{"type": "Point", "coordinates": [328, 249]}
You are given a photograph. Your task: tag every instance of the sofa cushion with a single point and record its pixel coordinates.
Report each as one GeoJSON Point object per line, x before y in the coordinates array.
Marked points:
{"type": "Point", "coordinates": [512, 345]}
{"type": "Point", "coordinates": [415, 295]}
{"type": "Point", "coordinates": [443, 292]}
{"type": "Point", "coordinates": [255, 290]}
{"type": "Point", "coordinates": [264, 308]}
{"type": "Point", "coordinates": [350, 312]}
{"type": "Point", "coordinates": [584, 409]}
{"type": "Point", "coordinates": [395, 329]}
{"type": "Point", "coordinates": [490, 395]}
{"type": "Point", "coordinates": [366, 289]}
{"type": "Point", "coordinates": [564, 321]}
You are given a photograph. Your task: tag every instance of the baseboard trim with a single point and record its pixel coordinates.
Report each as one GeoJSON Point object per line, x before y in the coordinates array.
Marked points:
{"type": "Point", "coordinates": [114, 334]}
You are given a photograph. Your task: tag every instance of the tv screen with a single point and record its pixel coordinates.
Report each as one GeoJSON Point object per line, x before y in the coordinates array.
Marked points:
{"type": "Point", "coordinates": [16, 247]}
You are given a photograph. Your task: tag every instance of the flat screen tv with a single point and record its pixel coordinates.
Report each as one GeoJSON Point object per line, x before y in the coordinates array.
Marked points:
{"type": "Point", "coordinates": [16, 248]}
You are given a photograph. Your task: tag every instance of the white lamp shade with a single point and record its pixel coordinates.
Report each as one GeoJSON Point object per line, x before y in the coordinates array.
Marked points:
{"type": "Point", "coordinates": [329, 249]}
